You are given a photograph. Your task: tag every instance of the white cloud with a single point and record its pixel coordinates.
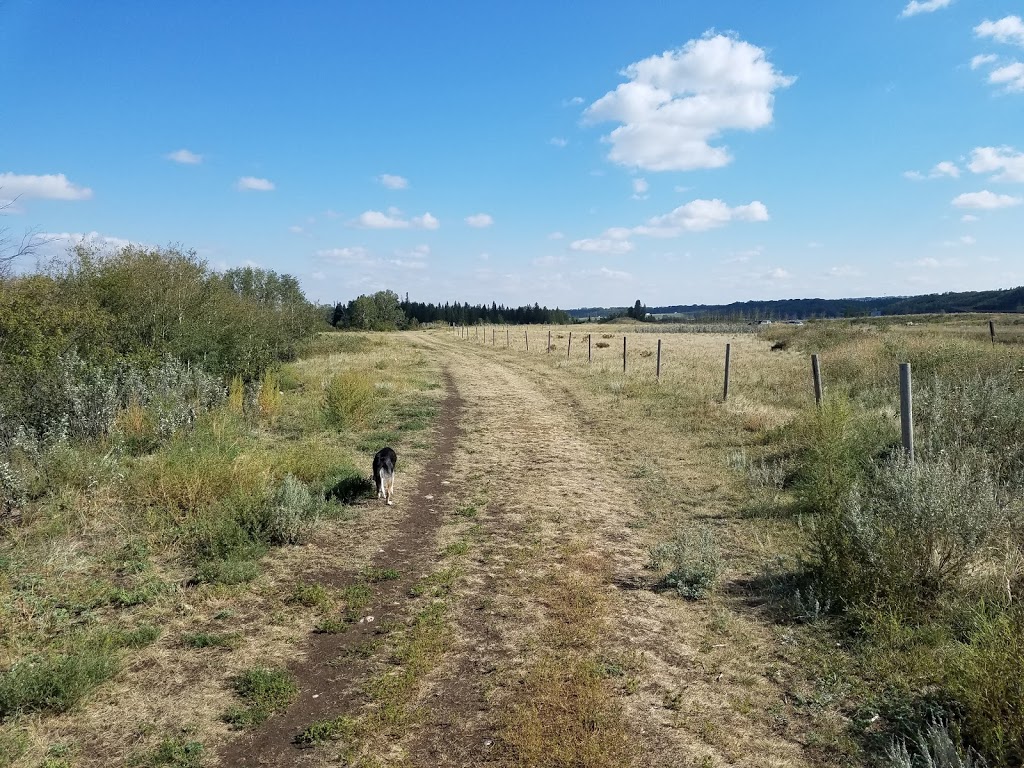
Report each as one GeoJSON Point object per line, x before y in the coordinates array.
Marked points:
{"type": "Point", "coordinates": [558, 141]}
{"type": "Point", "coordinates": [815, 244]}
{"type": "Point", "coordinates": [701, 215]}
{"type": "Point", "coordinates": [393, 220]}
{"type": "Point", "coordinates": [640, 187]}
{"type": "Point", "coordinates": [88, 238]}
{"type": "Point", "coordinates": [1006, 162]}
{"type": "Point", "coordinates": [185, 157]}
{"type": "Point", "coordinates": [985, 200]}
{"type": "Point", "coordinates": [556, 236]}
{"type": "Point", "coordinates": [939, 170]}
{"type": "Point", "coordinates": [602, 245]}
{"type": "Point", "coordinates": [426, 221]}
{"type": "Point", "coordinates": [480, 220]}
{"type": "Point", "coordinates": [295, 229]}
{"type": "Point", "coordinates": [915, 7]}
{"type": "Point", "coordinates": [778, 273]}
{"type": "Point", "coordinates": [967, 240]}
{"type": "Point", "coordinates": [1009, 29]}
{"type": "Point", "coordinates": [255, 184]}
{"type": "Point", "coordinates": [574, 101]}
{"type": "Point", "coordinates": [968, 218]}
{"type": "Point", "coordinates": [54, 186]}
{"type": "Point", "coordinates": [393, 182]}
{"type": "Point", "coordinates": [982, 59]}
{"type": "Point", "coordinates": [348, 255]}
{"type": "Point", "coordinates": [612, 274]}
{"type": "Point", "coordinates": [960, 241]}
{"type": "Point", "coordinates": [675, 104]}
{"type": "Point", "coordinates": [1012, 76]}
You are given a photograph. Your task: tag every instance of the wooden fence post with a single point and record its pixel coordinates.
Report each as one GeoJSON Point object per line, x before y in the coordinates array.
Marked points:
{"type": "Point", "coordinates": [590, 357]}
{"type": "Point", "coordinates": [623, 354]}
{"type": "Point", "coordinates": [906, 411]}
{"type": "Point", "coordinates": [816, 375]}
{"type": "Point", "coordinates": [549, 341]}
{"type": "Point", "coordinates": [568, 349]}
{"type": "Point", "coordinates": [725, 391]}
{"type": "Point", "coordinates": [657, 374]}
{"type": "Point", "coordinates": [992, 332]}
{"type": "Point", "coordinates": [506, 337]}
{"type": "Point", "coordinates": [526, 333]}
{"type": "Point", "coordinates": [492, 337]}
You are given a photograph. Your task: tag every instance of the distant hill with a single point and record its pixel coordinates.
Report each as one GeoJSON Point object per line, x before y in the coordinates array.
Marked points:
{"type": "Point", "coordinates": [1008, 300]}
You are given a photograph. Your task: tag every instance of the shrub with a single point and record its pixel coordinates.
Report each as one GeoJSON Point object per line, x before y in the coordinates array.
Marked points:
{"type": "Point", "coordinates": [341, 727]}
{"type": "Point", "coordinates": [934, 748]}
{"type": "Point", "coordinates": [693, 562]}
{"type": "Point", "coordinates": [174, 752]}
{"type": "Point", "coordinates": [911, 536]}
{"type": "Point", "coordinates": [290, 513]}
{"type": "Point", "coordinates": [349, 399]}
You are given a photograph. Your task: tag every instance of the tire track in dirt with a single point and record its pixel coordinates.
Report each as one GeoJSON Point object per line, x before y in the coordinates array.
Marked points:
{"type": "Point", "coordinates": [330, 675]}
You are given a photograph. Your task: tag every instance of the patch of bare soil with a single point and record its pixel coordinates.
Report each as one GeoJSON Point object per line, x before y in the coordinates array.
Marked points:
{"type": "Point", "coordinates": [331, 672]}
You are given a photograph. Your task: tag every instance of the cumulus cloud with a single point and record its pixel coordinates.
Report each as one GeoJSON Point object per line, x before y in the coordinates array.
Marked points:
{"type": "Point", "coordinates": [940, 170]}
{"type": "Point", "coordinates": [251, 183]}
{"type": "Point", "coordinates": [969, 218]}
{"type": "Point", "coordinates": [701, 215]}
{"type": "Point", "coordinates": [640, 187]}
{"type": "Point", "coordinates": [985, 200]}
{"type": "Point", "coordinates": [480, 220]}
{"type": "Point", "coordinates": [677, 103]}
{"type": "Point", "coordinates": [982, 59]}
{"type": "Point", "coordinates": [53, 186]}
{"type": "Point", "coordinates": [296, 229]}
{"type": "Point", "coordinates": [843, 270]}
{"type": "Point", "coordinates": [1006, 162]}
{"type": "Point", "coordinates": [393, 182]}
{"type": "Point", "coordinates": [602, 245]}
{"type": "Point", "coordinates": [393, 220]}
{"type": "Point", "coordinates": [185, 157]}
{"type": "Point", "coordinates": [556, 236]}
{"type": "Point", "coordinates": [1009, 29]}
{"type": "Point", "coordinates": [1011, 76]}
{"type": "Point", "coordinates": [915, 7]}
{"type": "Point", "coordinates": [558, 141]}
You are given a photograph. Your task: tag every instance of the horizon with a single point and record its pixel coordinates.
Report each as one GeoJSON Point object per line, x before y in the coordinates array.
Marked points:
{"type": "Point", "coordinates": [531, 154]}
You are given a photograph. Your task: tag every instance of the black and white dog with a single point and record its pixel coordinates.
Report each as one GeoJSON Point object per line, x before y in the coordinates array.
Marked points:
{"type": "Point", "coordinates": [384, 462]}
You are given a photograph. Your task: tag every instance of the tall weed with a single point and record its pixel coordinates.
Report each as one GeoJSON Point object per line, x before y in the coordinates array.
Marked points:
{"type": "Point", "coordinates": [349, 399]}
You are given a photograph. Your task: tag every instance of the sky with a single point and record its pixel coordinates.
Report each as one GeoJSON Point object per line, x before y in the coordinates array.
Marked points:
{"type": "Point", "coordinates": [570, 154]}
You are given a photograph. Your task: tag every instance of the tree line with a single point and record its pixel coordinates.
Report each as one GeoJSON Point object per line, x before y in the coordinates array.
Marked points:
{"type": "Point", "coordinates": [384, 311]}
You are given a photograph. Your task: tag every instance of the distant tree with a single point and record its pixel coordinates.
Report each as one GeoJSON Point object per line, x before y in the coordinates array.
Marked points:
{"type": "Point", "coordinates": [638, 311]}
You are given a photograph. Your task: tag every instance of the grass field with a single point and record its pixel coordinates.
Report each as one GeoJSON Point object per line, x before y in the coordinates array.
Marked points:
{"type": "Point", "coordinates": [599, 568]}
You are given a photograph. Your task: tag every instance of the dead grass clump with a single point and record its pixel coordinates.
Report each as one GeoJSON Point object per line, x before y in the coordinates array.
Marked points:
{"type": "Point", "coordinates": [602, 345]}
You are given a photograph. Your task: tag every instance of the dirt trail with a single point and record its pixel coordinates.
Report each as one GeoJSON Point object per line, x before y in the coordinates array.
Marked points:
{"type": "Point", "coordinates": [330, 675]}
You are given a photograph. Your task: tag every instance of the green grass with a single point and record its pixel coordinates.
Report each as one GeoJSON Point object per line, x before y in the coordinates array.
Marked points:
{"type": "Point", "coordinates": [374, 574]}
{"type": "Point", "coordinates": [174, 752]}
{"type": "Point", "coordinates": [335, 729]}
{"type": "Point", "coordinates": [311, 596]}
{"type": "Point", "coordinates": [56, 682]}
{"type": "Point", "coordinates": [263, 691]}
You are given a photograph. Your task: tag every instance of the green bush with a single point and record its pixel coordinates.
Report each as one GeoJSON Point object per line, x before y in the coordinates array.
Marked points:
{"type": "Point", "coordinates": [913, 536]}
{"type": "Point", "coordinates": [290, 513]}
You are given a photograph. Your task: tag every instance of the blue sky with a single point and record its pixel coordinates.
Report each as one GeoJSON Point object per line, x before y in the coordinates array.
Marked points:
{"type": "Point", "coordinates": [569, 154]}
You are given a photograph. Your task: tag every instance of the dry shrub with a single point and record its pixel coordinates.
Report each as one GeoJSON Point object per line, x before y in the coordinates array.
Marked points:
{"type": "Point", "coordinates": [236, 395]}
{"type": "Point", "coordinates": [602, 344]}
